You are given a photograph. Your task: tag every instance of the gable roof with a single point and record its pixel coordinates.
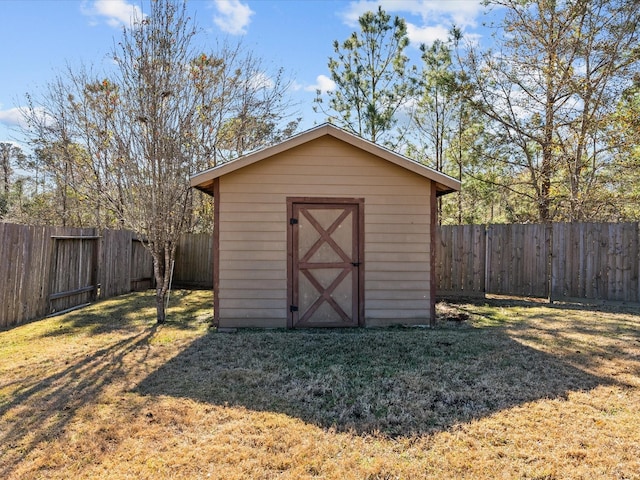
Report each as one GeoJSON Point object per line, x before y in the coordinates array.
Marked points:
{"type": "Point", "coordinates": [444, 183]}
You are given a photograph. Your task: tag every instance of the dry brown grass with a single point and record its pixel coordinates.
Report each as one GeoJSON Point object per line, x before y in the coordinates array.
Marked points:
{"type": "Point", "coordinates": [517, 390]}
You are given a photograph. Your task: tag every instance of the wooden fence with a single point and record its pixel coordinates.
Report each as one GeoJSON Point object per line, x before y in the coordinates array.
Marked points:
{"type": "Point", "coordinates": [73, 272]}
{"type": "Point", "coordinates": [562, 261]}
{"type": "Point", "coordinates": [44, 270]}
{"type": "Point", "coordinates": [127, 264]}
{"type": "Point", "coordinates": [47, 269]}
{"type": "Point", "coordinates": [194, 261]}
{"type": "Point", "coordinates": [596, 261]}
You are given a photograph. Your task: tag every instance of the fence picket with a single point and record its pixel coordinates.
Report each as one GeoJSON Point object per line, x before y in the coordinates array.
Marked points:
{"type": "Point", "coordinates": [194, 261]}
{"type": "Point", "coordinates": [45, 269]}
{"type": "Point", "coordinates": [588, 261]}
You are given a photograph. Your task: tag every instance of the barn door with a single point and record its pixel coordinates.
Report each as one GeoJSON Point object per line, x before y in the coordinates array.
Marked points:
{"type": "Point", "coordinates": [326, 265]}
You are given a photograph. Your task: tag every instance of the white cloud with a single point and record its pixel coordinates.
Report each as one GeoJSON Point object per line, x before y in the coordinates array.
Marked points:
{"type": "Point", "coordinates": [261, 80]}
{"type": "Point", "coordinates": [426, 35]}
{"type": "Point", "coordinates": [12, 117]}
{"type": "Point", "coordinates": [461, 12]}
{"type": "Point", "coordinates": [233, 16]}
{"type": "Point", "coordinates": [323, 83]}
{"type": "Point", "coordinates": [435, 16]}
{"type": "Point", "coordinates": [115, 12]}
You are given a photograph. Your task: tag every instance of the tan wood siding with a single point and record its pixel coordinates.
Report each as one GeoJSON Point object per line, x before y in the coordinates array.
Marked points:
{"type": "Point", "coordinates": [253, 229]}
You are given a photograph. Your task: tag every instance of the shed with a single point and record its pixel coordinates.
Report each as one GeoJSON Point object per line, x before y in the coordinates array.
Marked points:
{"type": "Point", "coordinates": [325, 229]}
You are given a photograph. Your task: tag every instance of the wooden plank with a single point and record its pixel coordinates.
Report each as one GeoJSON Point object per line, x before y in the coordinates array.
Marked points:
{"type": "Point", "coordinates": [456, 270]}
{"type": "Point", "coordinates": [420, 285]}
{"type": "Point", "coordinates": [17, 262]}
{"type": "Point", "coordinates": [216, 253]}
{"type": "Point", "coordinates": [614, 256]}
{"type": "Point", "coordinates": [593, 262]}
{"type": "Point", "coordinates": [574, 271]}
{"type": "Point", "coordinates": [637, 261]}
{"type": "Point", "coordinates": [117, 263]}
{"type": "Point", "coordinates": [76, 237]}
{"type": "Point", "coordinates": [493, 265]}
{"type": "Point", "coordinates": [316, 188]}
{"type": "Point", "coordinates": [602, 259]}
{"type": "Point", "coordinates": [453, 272]}
{"type": "Point", "coordinates": [6, 273]}
{"type": "Point", "coordinates": [11, 272]}
{"type": "Point", "coordinates": [590, 261]}
{"type": "Point", "coordinates": [626, 265]}
{"type": "Point", "coordinates": [451, 283]}
{"type": "Point", "coordinates": [194, 258]}
{"type": "Point", "coordinates": [141, 264]}
{"type": "Point", "coordinates": [39, 275]}
{"type": "Point", "coordinates": [433, 223]}
{"type": "Point", "coordinates": [22, 295]}
{"type": "Point", "coordinates": [546, 260]}
{"type": "Point", "coordinates": [77, 291]}
{"type": "Point", "coordinates": [240, 305]}
{"type": "Point", "coordinates": [40, 271]}
{"type": "Point", "coordinates": [633, 285]}
{"type": "Point", "coordinates": [440, 258]}
{"type": "Point", "coordinates": [578, 272]}
{"type": "Point", "coordinates": [438, 264]}
{"type": "Point", "coordinates": [480, 259]}
{"type": "Point", "coordinates": [529, 252]}
{"type": "Point", "coordinates": [488, 258]}
{"type": "Point", "coordinates": [555, 290]}
{"type": "Point", "coordinates": [561, 233]}
{"type": "Point", "coordinates": [538, 264]}
{"type": "Point", "coordinates": [73, 268]}
{"type": "Point", "coordinates": [571, 265]}
{"type": "Point", "coordinates": [53, 279]}
{"type": "Point", "coordinates": [515, 267]}
{"type": "Point", "coordinates": [594, 276]}
{"type": "Point", "coordinates": [461, 258]}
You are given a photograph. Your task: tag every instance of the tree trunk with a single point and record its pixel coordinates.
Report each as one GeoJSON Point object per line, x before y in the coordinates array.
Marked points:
{"type": "Point", "coordinates": [163, 258]}
{"type": "Point", "coordinates": [160, 311]}
{"type": "Point", "coordinates": [159, 269]}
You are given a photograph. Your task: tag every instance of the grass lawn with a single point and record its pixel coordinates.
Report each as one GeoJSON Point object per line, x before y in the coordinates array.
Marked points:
{"type": "Point", "coordinates": [516, 390]}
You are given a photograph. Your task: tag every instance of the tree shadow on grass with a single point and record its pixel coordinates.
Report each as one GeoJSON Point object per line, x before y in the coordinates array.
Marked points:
{"type": "Point", "coordinates": [585, 336]}
{"type": "Point", "coordinates": [43, 393]}
{"type": "Point", "coordinates": [394, 382]}
{"type": "Point", "coordinates": [127, 312]}
{"type": "Point", "coordinates": [42, 408]}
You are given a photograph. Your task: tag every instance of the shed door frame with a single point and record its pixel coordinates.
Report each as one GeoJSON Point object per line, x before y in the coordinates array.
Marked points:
{"type": "Point", "coordinates": [358, 203]}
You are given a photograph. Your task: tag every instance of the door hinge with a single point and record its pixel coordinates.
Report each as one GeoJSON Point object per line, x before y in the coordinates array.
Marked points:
{"type": "Point", "coordinates": [293, 308]}
{"type": "Point", "coordinates": [293, 221]}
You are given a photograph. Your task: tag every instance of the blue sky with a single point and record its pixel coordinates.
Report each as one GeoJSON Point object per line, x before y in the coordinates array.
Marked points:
{"type": "Point", "coordinates": [39, 38]}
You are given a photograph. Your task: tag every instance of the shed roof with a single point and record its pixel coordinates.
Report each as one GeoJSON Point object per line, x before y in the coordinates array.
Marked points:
{"type": "Point", "coordinates": [444, 183]}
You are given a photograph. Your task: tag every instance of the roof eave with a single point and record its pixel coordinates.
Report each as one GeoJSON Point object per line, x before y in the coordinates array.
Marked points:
{"type": "Point", "coordinates": [445, 184]}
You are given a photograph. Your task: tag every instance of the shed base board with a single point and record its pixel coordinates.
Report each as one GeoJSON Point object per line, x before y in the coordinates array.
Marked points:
{"type": "Point", "coordinates": [229, 323]}
{"type": "Point", "coordinates": [233, 323]}
{"type": "Point", "coordinates": [388, 322]}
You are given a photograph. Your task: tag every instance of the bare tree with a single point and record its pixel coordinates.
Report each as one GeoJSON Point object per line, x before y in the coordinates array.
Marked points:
{"type": "Point", "coordinates": [548, 90]}
{"type": "Point", "coordinates": [161, 116]}
{"type": "Point", "coordinates": [10, 155]}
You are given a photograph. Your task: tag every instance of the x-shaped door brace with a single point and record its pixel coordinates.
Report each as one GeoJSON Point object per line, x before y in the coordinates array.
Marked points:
{"type": "Point", "coordinates": [305, 266]}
